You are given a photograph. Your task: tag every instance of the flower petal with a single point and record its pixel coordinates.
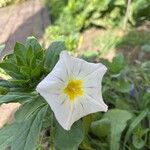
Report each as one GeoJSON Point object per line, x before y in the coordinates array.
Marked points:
{"type": "Point", "coordinates": [85, 106]}
{"type": "Point", "coordinates": [79, 67]}
{"type": "Point", "coordinates": [61, 107]}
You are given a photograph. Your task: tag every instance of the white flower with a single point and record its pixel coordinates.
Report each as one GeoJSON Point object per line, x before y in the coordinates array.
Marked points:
{"type": "Point", "coordinates": [73, 89]}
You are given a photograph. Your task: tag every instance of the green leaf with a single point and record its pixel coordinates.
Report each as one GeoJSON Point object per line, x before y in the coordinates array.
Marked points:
{"type": "Point", "coordinates": [86, 121]}
{"type": "Point", "coordinates": [52, 54]}
{"type": "Point", "coordinates": [40, 55]}
{"type": "Point", "coordinates": [20, 52]}
{"type": "Point", "coordinates": [117, 64]}
{"type": "Point", "coordinates": [29, 56]}
{"type": "Point", "coordinates": [145, 101]}
{"type": "Point", "coordinates": [27, 135]}
{"type": "Point", "coordinates": [123, 104]}
{"type": "Point", "coordinates": [18, 82]}
{"type": "Point", "coordinates": [138, 142]}
{"type": "Point", "coordinates": [123, 86]}
{"type": "Point", "coordinates": [14, 97]}
{"type": "Point", "coordinates": [118, 120]}
{"type": "Point", "coordinates": [28, 109]}
{"type": "Point", "coordinates": [100, 128]}
{"type": "Point", "coordinates": [10, 59]}
{"type": "Point", "coordinates": [34, 44]}
{"type": "Point", "coordinates": [20, 61]}
{"type": "Point", "coordinates": [20, 49]}
{"type": "Point", "coordinates": [7, 134]}
{"type": "Point", "coordinates": [11, 69]}
{"type": "Point", "coordinates": [37, 71]}
{"type": "Point", "coordinates": [5, 84]}
{"type": "Point", "coordinates": [68, 140]}
{"type": "Point", "coordinates": [134, 124]}
{"type": "Point", "coordinates": [25, 71]}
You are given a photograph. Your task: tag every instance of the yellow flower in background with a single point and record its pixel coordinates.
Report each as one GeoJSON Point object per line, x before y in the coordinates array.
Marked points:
{"type": "Point", "coordinates": [73, 89]}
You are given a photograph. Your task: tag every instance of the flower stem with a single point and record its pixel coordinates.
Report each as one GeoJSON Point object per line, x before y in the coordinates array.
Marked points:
{"type": "Point", "coordinates": [52, 147]}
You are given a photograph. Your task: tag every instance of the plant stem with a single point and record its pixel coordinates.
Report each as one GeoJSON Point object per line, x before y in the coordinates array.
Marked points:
{"type": "Point", "coordinates": [126, 15]}
{"type": "Point", "coordinates": [52, 147]}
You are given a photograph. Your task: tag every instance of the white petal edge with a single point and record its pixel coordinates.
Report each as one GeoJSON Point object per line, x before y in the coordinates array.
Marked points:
{"type": "Point", "coordinates": [65, 112]}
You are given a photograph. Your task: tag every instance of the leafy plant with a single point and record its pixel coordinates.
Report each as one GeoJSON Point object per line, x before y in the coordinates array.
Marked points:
{"type": "Point", "coordinates": [125, 88]}
{"type": "Point", "coordinates": [26, 67]}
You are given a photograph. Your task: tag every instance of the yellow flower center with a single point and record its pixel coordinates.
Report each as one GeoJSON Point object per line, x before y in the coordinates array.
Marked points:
{"type": "Point", "coordinates": [73, 89]}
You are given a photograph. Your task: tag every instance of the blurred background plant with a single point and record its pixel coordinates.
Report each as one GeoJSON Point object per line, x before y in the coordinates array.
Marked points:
{"type": "Point", "coordinates": [118, 30]}
{"type": "Point", "coordinates": [4, 3]}
{"type": "Point", "coordinates": [71, 17]}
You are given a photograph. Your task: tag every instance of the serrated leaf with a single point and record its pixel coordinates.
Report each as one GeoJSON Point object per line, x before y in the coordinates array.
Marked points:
{"type": "Point", "coordinates": [52, 54]}
{"type": "Point", "coordinates": [68, 140]}
{"type": "Point", "coordinates": [34, 44]}
{"type": "Point", "coordinates": [20, 50]}
{"type": "Point", "coordinates": [118, 120]}
{"type": "Point", "coordinates": [27, 135]}
{"type": "Point", "coordinates": [11, 69]}
{"type": "Point", "coordinates": [9, 59]}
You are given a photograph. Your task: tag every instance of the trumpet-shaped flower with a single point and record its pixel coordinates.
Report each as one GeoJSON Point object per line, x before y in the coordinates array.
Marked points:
{"type": "Point", "coordinates": [73, 89]}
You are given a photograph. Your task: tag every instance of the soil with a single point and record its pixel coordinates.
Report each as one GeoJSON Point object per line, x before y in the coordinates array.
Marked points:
{"type": "Point", "coordinates": [131, 52]}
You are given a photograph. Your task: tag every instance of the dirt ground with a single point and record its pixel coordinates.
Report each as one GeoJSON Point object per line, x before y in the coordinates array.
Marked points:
{"type": "Point", "coordinates": [7, 113]}
{"type": "Point", "coordinates": [130, 52]}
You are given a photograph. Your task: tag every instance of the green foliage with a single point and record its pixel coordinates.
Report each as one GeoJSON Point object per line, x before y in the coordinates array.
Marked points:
{"type": "Point", "coordinates": [53, 52]}
{"type": "Point", "coordinates": [55, 32]}
{"type": "Point", "coordinates": [140, 11]}
{"type": "Point", "coordinates": [135, 122]}
{"type": "Point", "coordinates": [101, 128]}
{"type": "Point", "coordinates": [68, 140]}
{"type": "Point", "coordinates": [135, 38]}
{"type": "Point", "coordinates": [125, 89]}
{"type": "Point", "coordinates": [117, 64]}
{"type": "Point", "coordinates": [118, 121]}
{"type": "Point", "coordinates": [71, 17]}
{"type": "Point", "coordinates": [30, 129]}
{"type": "Point", "coordinates": [26, 66]}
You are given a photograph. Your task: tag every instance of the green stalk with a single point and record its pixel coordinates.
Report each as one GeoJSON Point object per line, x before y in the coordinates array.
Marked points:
{"type": "Point", "coordinates": [52, 147]}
